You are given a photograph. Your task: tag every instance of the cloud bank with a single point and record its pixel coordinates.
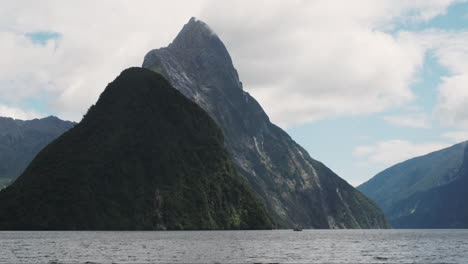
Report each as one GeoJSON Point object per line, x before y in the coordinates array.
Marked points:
{"type": "Point", "coordinates": [303, 60]}
{"type": "Point", "coordinates": [390, 152]}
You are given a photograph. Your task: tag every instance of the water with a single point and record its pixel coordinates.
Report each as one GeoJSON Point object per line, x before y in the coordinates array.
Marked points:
{"type": "Point", "coordinates": [280, 246]}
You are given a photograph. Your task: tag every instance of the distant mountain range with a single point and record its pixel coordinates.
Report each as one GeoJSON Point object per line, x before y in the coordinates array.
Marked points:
{"type": "Point", "coordinates": [20, 141]}
{"type": "Point", "coordinates": [424, 192]}
{"type": "Point", "coordinates": [144, 157]}
{"type": "Point", "coordinates": [295, 188]}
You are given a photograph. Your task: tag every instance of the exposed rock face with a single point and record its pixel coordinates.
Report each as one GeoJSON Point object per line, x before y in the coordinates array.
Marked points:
{"type": "Point", "coordinates": [425, 192]}
{"type": "Point", "coordinates": [295, 188]}
{"type": "Point", "coordinates": [143, 157]}
{"type": "Point", "coordinates": [20, 141]}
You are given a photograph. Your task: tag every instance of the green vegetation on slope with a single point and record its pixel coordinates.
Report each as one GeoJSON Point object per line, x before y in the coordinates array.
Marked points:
{"type": "Point", "coordinates": [143, 157]}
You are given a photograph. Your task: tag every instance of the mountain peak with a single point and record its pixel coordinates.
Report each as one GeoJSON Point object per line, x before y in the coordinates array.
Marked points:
{"type": "Point", "coordinates": [194, 34]}
{"type": "Point", "coordinates": [295, 188]}
{"type": "Point", "coordinates": [196, 48]}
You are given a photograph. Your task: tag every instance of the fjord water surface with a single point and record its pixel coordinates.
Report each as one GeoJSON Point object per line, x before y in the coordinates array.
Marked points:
{"type": "Point", "coordinates": [279, 246]}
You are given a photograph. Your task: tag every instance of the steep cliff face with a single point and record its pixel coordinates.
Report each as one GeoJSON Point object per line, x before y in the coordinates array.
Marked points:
{"type": "Point", "coordinates": [20, 141]}
{"type": "Point", "coordinates": [143, 157]}
{"type": "Point", "coordinates": [424, 192]}
{"type": "Point", "coordinates": [295, 188]}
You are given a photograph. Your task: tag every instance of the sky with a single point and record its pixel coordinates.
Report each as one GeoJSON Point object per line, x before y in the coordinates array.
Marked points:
{"type": "Point", "coordinates": [362, 85]}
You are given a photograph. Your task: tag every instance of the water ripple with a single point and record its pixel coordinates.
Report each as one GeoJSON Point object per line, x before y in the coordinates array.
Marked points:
{"type": "Point", "coordinates": [280, 246]}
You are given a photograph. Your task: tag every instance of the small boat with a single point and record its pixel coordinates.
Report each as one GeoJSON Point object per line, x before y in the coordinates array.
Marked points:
{"type": "Point", "coordinates": [297, 228]}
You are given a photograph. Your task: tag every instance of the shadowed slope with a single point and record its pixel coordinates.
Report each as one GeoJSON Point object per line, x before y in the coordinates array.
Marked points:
{"type": "Point", "coordinates": [143, 157]}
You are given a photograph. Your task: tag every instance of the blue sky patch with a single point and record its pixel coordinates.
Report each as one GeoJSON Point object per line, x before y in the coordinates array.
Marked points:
{"type": "Point", "coordinates": [41, 37]}
{"type": "Point", "coordinates": [455, 18]}
{"type": "Point", "coordinates": [333, 141]}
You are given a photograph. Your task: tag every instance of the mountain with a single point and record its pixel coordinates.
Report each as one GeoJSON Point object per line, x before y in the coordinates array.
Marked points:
{"type": "Point", "coordinates": [20, 141]}
{"type": "Point", "coordinates": [295, 188]}
{"type": "Point", "coordinates": [424, 192]}
{"type": "Point", "coordinates": [143, 157]}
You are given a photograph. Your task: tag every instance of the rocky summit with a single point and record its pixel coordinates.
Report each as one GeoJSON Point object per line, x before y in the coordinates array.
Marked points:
{"type": "Point", "coordinates": [296, 189]}
{"type": "Point", "coordinates": [144, 157]}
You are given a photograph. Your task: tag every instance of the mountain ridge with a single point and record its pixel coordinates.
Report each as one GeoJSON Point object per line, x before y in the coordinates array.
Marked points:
{"type": "Point", "coordinates": [415, 193]}
{"type": "Point", "coordinates": [21, 140]}
{"type": "Point", "coordinates": [295, 188]}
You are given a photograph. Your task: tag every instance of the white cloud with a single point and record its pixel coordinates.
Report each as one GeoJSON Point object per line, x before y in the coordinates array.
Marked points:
{"type": "Point", "coordinates": [450, 48]}
{"type": "Point", "coordinates": [456, 136]}
{"type": "Point", "coordinates": [409, 120]}
{"type": "Point", "coordinates": [391, 152]}
{"type": "Point", "coordinates": [452, 108]}
{"type": "Point", "coordinates": [303, 60]}
{"type": "Point", "coordinates": [17, 113]}
{"type": "Point", "coordinates": [98, 40]}
{"type": "Point", "coordinates": [324, 58]}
